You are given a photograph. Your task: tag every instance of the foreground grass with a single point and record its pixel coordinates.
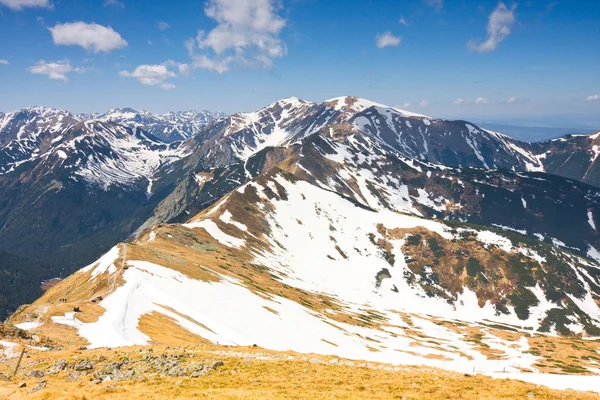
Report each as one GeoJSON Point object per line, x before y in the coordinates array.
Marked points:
{"type": "Point", "coordinates": [246, 377]}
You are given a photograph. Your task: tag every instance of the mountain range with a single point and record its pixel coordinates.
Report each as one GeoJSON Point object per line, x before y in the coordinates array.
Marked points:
{"type": "Point", "coordinates": [353, 220]}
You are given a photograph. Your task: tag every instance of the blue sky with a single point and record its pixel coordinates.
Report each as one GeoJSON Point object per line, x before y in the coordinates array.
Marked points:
{"type": "Point", "coordinates": [502, 61]}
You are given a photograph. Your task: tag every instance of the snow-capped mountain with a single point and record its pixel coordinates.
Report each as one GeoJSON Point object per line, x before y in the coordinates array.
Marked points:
{"type": "Point", "coordinates": [169, 127]}
{"type": "Point", "coordinates": [124, 180]}
{"type": "Point", "coordinates": [453, 143]}
{"type": "Point", "coordinates": [339, 244]}
{"type": "Point", "coordinates": [102, 153]}
{"type": "Point", "coordinates": [27, 133]}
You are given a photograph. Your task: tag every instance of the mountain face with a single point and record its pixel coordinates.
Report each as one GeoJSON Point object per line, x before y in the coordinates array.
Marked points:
{"type": "Point", "coordinates": [572, 156]}
{"type": "Point", "coordinates": [170, 127]}
{"type": "Point", "coordinates": [71, 187]}
{"type": "Point", "coordinates": [27, 133]}
{"type": "Point", "coordinates": [337, 243]}
{"type": "Point", "coordinates": [347, 228]}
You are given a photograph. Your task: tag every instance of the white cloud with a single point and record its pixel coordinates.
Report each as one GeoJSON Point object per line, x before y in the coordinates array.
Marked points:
{"type": "Point", "coordinates": [458, 101]}
{"type": "Point", "coordinates": [407, 104]}
{"type": "Point", "coordinates": [55, 69]}
{"type": "Point", "coordinates": [162, 25]}
{"type": "Point", "coordinates": [593, 97]}
{"type": "Point", "coordinates": [424, 103]}
{"type": "Point", "coordinates": [437, 4]}
{"type": "Point", "coordinates": [92, 37]}
{"type": "Point", "coordinates": [499, 26]}
{"type": "Point", "coordinates": [3, 62]}
{"type": "Point", "coordinates": [512, 99]}
{"type": "Point", "coordinates": [387, 39]}
{"type": "Point", "coordinates": [481, 100]}
{"type": "Point", "coordinates": [114, 3]}
{"type": "Point", "coordinates": [247, 33]}
{"type": "Point", "coordinates": [153, 75]}
{"type": "Point", "coordinates": [21, 4]}
{"type": "Point", "coordinates": [184, 69]}
{"type": "Point", "coordinates": [403, 21]}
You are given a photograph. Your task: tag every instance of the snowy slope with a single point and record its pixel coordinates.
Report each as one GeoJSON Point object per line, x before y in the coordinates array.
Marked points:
{"type": "Point", "coordinates": [27, 133]}
{"type": "Point", "coordinates": [359, 296]}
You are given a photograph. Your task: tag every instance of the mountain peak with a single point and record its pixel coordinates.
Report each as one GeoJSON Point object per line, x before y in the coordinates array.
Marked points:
{"type": "Point", "coordinates": [356, 105]}
{"type": "Point", "coordinates": [288, 102]}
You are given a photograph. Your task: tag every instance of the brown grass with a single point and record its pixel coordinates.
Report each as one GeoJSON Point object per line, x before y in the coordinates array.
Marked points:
{"type": "Point", "coordinates": [247, 378]}
{"type": "Point", "coordinates": [164, 330]}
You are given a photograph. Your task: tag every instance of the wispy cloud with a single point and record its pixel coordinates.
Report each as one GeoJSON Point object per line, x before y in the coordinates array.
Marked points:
{"type": "Point", "coordinates": [424, 103]}
{"type": "Point", "coordinates": [114, 3]}
{"type": "Point", "coordinates": [386, 39]}
{"type": "Point", "coordinates": [458, 101]}
{"type": "Point", "coordinates": [92, 37]}
{"type": "Point", "coordinates": [247, 33]}
{"type": "Point", "coordinates": [55, 69]}
{"type": "Point", "coordinates": [162, 25]}
{"type": "Point", "coordinates": [403, 21]}
{"type": "Point", "coordinates": [594, 97]}
{"type": "Point", "coordinates": [3, 62]}
{"type": "Point", "coordinates": [500, 24]}
{"type": "Point", "coordinates": [481, 100]}
{"type": "Point", "coordinates": [511, 100]}
{"type": "Point", "coordinates": [21, 4]}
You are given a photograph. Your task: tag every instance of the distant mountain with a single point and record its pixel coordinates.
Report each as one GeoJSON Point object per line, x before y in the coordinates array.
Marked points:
{"type": "Point", "coordinates": [572, 156]}
{"type": "Point", "coordinates": [169, 127]}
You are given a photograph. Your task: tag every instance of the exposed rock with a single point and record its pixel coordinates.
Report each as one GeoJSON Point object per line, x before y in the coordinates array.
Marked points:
{"type": "Point", "coordinates": [84, 365]}
{"type": "Point", "coordinates": [74, 377]}
{"type": "Point", "coordinates": [61, 365]}
{"type": "Point", "coordinates": [36, 374]}
{"type": "Point", "coordinates": [9, 330]}
{"type": "Point", "coordinates": [41, 385]}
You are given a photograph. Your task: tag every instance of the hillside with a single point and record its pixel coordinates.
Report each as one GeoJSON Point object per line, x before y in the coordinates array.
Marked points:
{"type": "Point", "coordinates": [347, 229]}
{"type": "Point", "coordinates": [345, 247]}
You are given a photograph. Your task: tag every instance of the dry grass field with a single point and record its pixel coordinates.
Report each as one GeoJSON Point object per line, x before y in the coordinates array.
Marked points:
{"type": "Point", "coordinates": [253, 373]}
